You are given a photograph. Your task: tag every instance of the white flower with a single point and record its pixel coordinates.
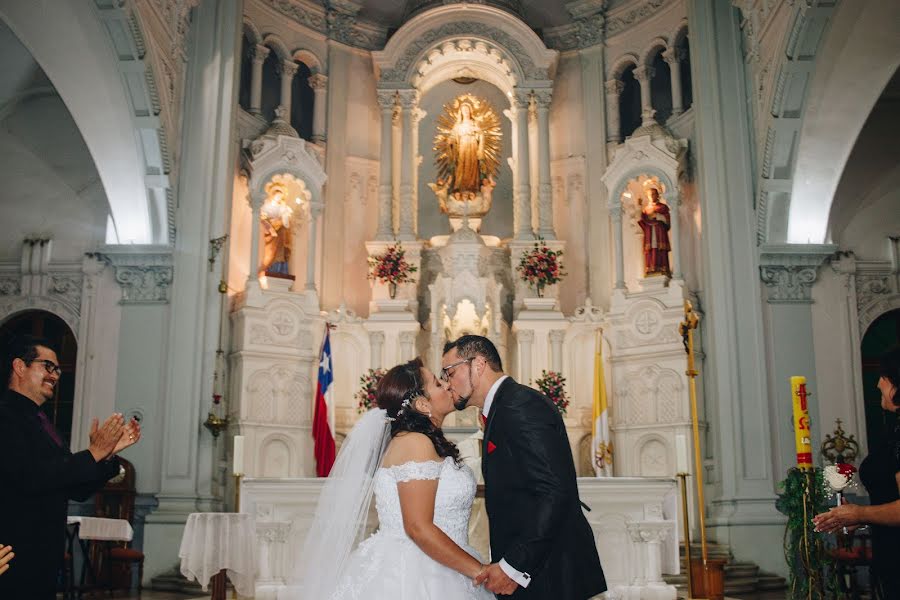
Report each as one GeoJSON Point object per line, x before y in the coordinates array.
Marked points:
{"type": "Point", "coordinates": [836, 480]}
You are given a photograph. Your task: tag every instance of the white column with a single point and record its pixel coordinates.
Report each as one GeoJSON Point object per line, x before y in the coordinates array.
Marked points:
{"type": "Point", "coordinates": [644, 74]}
{"type": "Point", "coordinates": [387, 101]}
{"type": "Point", "coordinates": [526, 340]}
{"type": "Point", "coordinates": [315, 211]}
{"type": "Point", "coordinates": [674, 236]}
{"type": "Point", "coordinates": [556, 345]}
{"type": "Point", "coordinates": [407, 345]}
{"type": "Point", "coordinates": [614, 89]}
{"type": "Point", "coordinates": [545, 196]}
{"type": "Point", "coordinates": [615, 213]}
{"type": "Point", "coordinates": [287, 69]}
{"type": "Point", "coordinates": [255, 206]}
{"type": "Point", "coordinates": [522, 207]}
{"type": "Point", "coordinates": [259, 55]}
{"type": "Point", "coordinates": [319, 85]}
{"type": "Point", "coordinates": [672, 56]}
{"type": "Point", "coordinates": [376, 345]}
{"type": "Point", "coordinates": [408, 101]}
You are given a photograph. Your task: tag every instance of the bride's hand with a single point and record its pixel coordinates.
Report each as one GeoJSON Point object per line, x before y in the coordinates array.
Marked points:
{"type": "Point", "coordinates": [477, 576]}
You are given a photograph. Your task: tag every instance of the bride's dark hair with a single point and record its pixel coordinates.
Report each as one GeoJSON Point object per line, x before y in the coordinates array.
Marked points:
{"type": "Point", "coordinates": [403, 383]}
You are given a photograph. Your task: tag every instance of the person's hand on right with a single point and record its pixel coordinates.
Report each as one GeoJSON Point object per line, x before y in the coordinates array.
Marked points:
{"type": "Point", "coordinates": [104, 438]}
{"type": "Point", "coordinates": [6, 555]}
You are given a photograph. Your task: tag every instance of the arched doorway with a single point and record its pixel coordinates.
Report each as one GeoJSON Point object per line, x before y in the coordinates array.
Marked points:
{"type": "Point", "coordinates": [881, 337]}
{"type": "Point", "coordinates": [49, 326]}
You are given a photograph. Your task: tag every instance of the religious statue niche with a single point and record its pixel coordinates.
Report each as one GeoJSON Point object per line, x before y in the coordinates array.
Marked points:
{"type": "Point", "coordinates": [467, 155]}
{"type": "Point", "coordinates": [654, 222]}
{"type": "Point", "coordinates": [276, 218]}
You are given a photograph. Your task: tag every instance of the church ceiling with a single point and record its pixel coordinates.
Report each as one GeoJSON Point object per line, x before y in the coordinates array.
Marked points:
{"type": "Point", "coordinates": [539, 14]}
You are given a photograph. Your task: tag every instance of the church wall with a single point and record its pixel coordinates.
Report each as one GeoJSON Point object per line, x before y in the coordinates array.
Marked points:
{"type": "Point", "coordinates": [567, 172]}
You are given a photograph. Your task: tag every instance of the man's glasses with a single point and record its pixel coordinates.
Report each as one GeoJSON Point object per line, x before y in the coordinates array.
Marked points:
{"type": "Point", "coordinates": [445, 372]}
{"type": "Point", "coordinates": [52, 367]}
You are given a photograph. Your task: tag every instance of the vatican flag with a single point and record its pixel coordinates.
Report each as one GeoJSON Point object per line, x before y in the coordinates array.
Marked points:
{"type": "Point", "coordinates": [601, 442]}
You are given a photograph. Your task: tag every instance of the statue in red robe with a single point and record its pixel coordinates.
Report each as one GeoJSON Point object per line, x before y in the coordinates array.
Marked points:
{"type": "Point", "coordinates": [655, 222]}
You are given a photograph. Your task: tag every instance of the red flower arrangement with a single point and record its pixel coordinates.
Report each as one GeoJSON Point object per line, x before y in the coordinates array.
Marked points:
{"type": "Point", "coordinates": [553, 385]}
{"type": "Point", "coordinates": [367, 384]}
{"type": "Point", "coordinates": [541, 266]}
{"type": "Point", "coordinates": [391, 266]}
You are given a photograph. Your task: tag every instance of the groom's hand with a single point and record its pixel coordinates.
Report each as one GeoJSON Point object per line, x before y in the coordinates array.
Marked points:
{"type": "Point", "coordinates": [496, 581]}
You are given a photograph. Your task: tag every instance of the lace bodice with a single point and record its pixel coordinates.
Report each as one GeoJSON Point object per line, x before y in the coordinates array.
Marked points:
{"type": "Point", "coordinates": [452, 504]}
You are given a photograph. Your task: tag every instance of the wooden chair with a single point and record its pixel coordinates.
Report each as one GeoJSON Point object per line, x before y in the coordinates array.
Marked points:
{"type": "Point", "coordinates": [116, 561]}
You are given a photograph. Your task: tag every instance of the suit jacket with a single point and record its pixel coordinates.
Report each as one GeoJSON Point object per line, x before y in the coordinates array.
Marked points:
{"type": "Point", "coordinates": [531, 495]}
{"type": "Point", "coordinates": [37, 479]}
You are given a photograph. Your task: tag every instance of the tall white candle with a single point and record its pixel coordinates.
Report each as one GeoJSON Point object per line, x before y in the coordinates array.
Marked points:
{"type": "Point", "coordinates": [681, 453]}
{"type": "Point", "coordinates": [238, 455]}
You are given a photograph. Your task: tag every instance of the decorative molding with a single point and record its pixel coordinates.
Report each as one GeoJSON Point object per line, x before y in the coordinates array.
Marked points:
{"type": "Point", "coordinates": [618, 22]}
{"type": "Point", "coordinates": [339, 22]}
{"type": "Point", "coordinates": [143, 272]}
{"type": "Point", "coordinates": [790, 270]}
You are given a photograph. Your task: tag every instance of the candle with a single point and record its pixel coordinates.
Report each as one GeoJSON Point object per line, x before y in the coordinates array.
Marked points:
{"type": "Point", "coordinates": [801, 423]}
{"type": "Point", "coordinates": [681, 454]}
{"type": "Point", "coordinates": [238, 455]}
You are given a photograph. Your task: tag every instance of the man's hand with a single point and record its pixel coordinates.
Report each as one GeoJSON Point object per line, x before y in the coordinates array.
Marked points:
{"type": "Point", "coordinates": [104, 438]}
{"type": "Point", "coordinates": [6, 555]}
{"type": "Point", "coordinates": [496, 581]}
{"type": "Point", "coordinates": [131, 434]}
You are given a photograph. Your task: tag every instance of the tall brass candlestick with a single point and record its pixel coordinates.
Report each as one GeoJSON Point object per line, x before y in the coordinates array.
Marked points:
{"type": "Point", "coordinates": [687, 327]}
{"type": "Point", "coordinates": [685, 516]}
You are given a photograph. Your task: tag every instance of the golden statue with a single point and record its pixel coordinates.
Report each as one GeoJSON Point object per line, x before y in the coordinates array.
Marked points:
{"type": "Point", "coordinates": [467, 155]}
{"type": "Point", "coordinates": [275, 216]}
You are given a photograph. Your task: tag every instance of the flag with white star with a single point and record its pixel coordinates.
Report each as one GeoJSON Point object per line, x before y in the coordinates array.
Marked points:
{"type": "Point", "coordinates": [323, 416]}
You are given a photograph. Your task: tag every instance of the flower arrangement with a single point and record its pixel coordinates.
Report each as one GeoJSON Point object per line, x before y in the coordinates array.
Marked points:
{"type": "Point", "coordinates": [391, 267]}
{"type": "Point", "coordinates": [553, 385]}
{"type": "Point", "coordinates": [541, 266]}
{"type": "Point", "coordinates": [367, 384]}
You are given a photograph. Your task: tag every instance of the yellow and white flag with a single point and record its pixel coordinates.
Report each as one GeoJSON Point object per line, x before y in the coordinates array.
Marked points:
{"type": "Point", "coordinates": [601, 443]}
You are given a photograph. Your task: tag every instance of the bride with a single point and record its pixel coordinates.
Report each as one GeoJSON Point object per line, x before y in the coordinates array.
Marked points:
{"type": "Point", "coordinates": [423, 497]}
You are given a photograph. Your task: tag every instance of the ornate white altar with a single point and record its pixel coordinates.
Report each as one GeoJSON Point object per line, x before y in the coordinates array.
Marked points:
{"type": "Point", "coordinates": [634, 522]}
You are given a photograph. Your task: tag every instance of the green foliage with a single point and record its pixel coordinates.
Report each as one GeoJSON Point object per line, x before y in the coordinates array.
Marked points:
{"type": "Point", "coordinates": [811, 572]}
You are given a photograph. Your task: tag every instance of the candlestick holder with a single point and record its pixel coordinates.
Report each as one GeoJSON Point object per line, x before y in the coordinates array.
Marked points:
{"type": "Point", "coordinates": [215, 424]}
{"type": "Point", "coordinates": [685, 516]}
{"type": "Point", "coordinates": [237, 492]}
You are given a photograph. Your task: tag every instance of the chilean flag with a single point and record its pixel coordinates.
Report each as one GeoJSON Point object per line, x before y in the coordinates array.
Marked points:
{"type": "Point", "coordinates": [323, 421]}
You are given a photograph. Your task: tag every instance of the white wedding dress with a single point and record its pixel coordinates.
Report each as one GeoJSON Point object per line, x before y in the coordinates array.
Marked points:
{"type": "Point", "coordinates": [389, 565]}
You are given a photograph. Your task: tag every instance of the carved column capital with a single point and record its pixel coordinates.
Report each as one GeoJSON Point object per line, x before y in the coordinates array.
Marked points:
{"type": "Point", "coordinates": [259, 53]}
{"type": "Point", "coordinates": [318, 81]}
{"type": "Point", "coordinates": [644, 74]}
{"type": "Point", "coordinates": [788, 284]}
{"type": "Point", "coordinates": [542, 99]}
{"type": "Point", "coordinates": [521, 99]}
{"type": "Point", "coordinates": [557, 336]}
{"type": "Point", "coordinates": [673, 56]}
{"type": "Point", "coordinates": [144, 277]}
{"type": "Point", "coordinates": [287, 68]}
{"type": "Point", "coordinates": [525, 336]}
{"type": "Point", "coordinates": [408, 99]}
{"type": "Point", "coordinates": [387, 100]}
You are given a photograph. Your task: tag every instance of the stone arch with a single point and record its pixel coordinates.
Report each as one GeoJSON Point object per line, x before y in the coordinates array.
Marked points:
{"type": "Point", "coordinates": [656, 46]}
{"type": "Point", "coordinates": [278, 46]}
{"type": "Point", "coordinates": [19, 304]}
{"type": "Point", "coordinates": [529, 60]}
{"type": "Point", "coordinates": [252, 31]}
{"type": "Point", "coordinates": [875, 309]}
{"type": "Point", "coordinates": [679, 34]}
{"type": "Point", "coordinates": [285, 156]}
{"type": "Point", "coordinates": [670, 191]}
{"type": "Point", "coordinates": [622, 63]}
{"type": "Point", "coordinates": [280, 447]}
{"type": "Point", "coordinates": [310, 59]}
{"type": "Point", "coordinates": [83, 50]}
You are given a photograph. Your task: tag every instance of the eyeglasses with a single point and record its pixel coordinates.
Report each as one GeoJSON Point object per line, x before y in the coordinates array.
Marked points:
{"type": "Point", "coordinates": [52, 367]}
{"type": "Point", "coordinates": [445, 372]}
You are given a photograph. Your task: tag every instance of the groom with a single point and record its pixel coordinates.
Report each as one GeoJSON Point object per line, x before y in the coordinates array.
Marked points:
{"type": "Point", "coordinates": [541, 543]}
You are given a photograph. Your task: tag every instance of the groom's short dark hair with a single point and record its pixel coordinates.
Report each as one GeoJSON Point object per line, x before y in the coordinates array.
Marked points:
{"type": "Point", "coordinates": [470, 346]}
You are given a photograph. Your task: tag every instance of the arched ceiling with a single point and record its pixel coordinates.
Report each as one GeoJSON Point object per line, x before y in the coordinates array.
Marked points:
{"type": "Point", "coordinates": [538, 14]}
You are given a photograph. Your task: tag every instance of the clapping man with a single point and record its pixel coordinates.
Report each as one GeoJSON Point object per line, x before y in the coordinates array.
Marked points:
{"type": "Point", "coordinates": [39, 475]}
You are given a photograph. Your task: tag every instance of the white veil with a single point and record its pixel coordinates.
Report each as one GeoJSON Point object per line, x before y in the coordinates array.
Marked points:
{"type": "Point", "coordinates": [341, 513]}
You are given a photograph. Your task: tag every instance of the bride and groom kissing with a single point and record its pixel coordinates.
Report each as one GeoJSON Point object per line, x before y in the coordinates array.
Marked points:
{"type": "Point", "coordinates": [542, 546]}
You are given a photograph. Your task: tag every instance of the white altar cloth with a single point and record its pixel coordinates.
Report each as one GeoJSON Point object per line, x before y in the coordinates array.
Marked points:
{"type": "Point", "coordinates": [96, 528]}
{"type": "Point", "coordinates": [634, 519]}
{"type": "Point", "coordinates": [216, 541]}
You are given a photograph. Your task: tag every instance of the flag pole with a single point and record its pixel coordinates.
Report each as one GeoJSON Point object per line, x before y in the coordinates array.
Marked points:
{"type": "Point", "coordinates": [686, 328]}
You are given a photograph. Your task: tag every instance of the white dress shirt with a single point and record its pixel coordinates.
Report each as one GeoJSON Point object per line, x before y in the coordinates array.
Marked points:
{"type": "Point", "coordinates": [519, 577]}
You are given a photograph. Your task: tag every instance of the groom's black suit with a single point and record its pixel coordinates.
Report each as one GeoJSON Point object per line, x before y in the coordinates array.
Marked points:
{"type": "Point", "coordinates": [531, 494]}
